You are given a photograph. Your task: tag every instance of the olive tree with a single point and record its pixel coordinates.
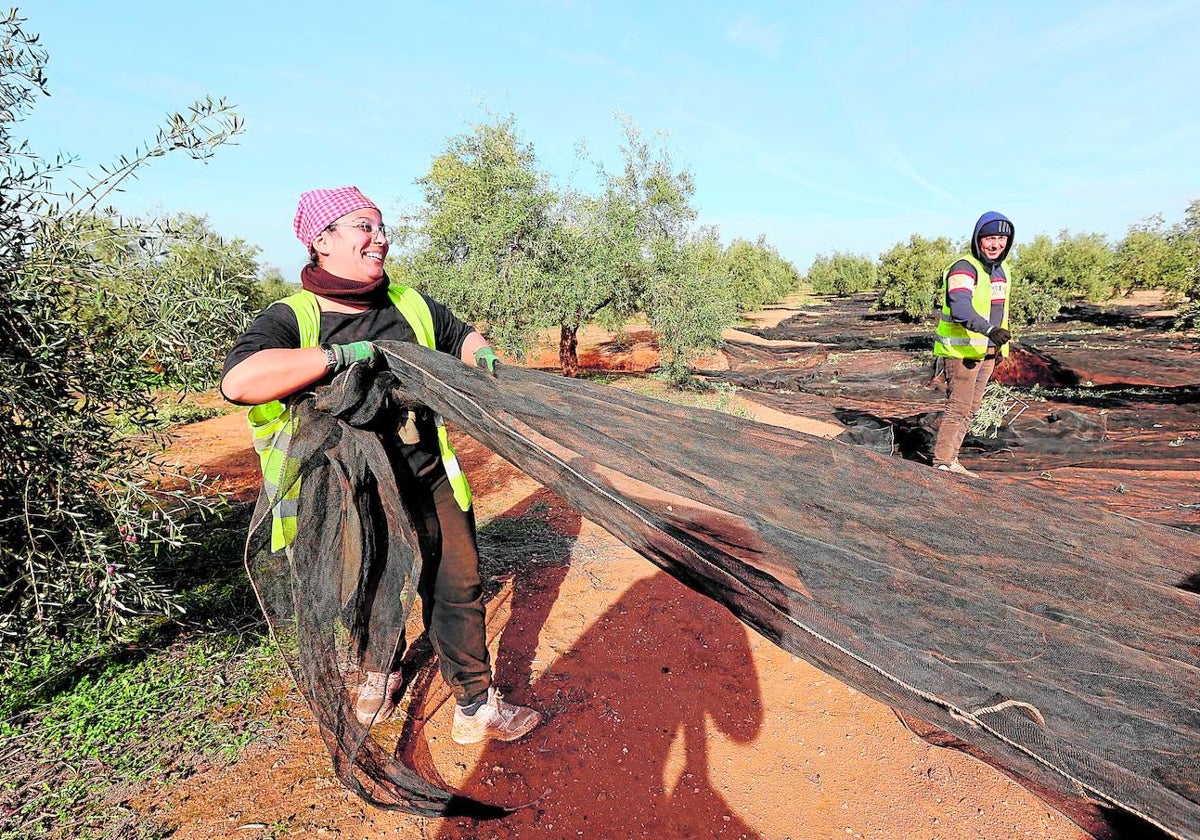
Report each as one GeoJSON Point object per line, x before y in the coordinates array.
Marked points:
{"type": "Point", "coordinates": [82, 527]}
{"type": "Point", "coordinates": [1050, 273]}
{"type": "Point", "coordinates": [843, 274]}
{"type": "Point", "coordinates": [1143, 256]}
{"type": "Point", "coordinates": [910, 275]}
{"type": "Point", "coordinates": [1084, 265]}
{"type": "Point", "coordinates": [756, 274]}
{"type": "Point", "coordinates": [503, 249]}
{"type": "Point", "coordinates": [484, 241]}
{"type": "Point", "coordinates": [602, 272]}
{"type": "Point", "coordinates": [270, 287]}
{"type": "Point", "coordinates": [1155, 255]}
{"type": "Point", "coordinates": [1037, 291]}
{"type": "Point", "coordinates": [688, 304]}
{"type": "Point", "coordinates": [171, 287]}
{"type": "Point", "coordinates": [1182, 275]}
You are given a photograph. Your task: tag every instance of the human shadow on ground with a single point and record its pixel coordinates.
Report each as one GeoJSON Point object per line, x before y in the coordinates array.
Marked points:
{"type": "Point", "coordinates": [624, 751]}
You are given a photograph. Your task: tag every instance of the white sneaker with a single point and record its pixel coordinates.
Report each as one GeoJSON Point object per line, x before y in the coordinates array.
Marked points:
{"type": "Point", "coordinates": [377, 697]}
{"type": "Point", "coordinates": [957, 468]}
{"type": "Point", "coordinates": [495, 719]}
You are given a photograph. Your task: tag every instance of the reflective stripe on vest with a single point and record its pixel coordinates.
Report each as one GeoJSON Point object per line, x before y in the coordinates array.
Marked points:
{"type": "Point", "coordinates": [953, 339]}
{"type": "Point", "coordinates": [272, 425]}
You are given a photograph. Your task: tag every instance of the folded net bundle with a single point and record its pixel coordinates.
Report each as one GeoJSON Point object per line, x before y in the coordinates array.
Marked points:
{"type": "Point", "coordinates": [345, 586]}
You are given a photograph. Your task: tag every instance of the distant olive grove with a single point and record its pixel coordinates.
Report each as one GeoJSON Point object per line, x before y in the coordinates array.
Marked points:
{"type": "Point", "coordinates": [1051, 272]}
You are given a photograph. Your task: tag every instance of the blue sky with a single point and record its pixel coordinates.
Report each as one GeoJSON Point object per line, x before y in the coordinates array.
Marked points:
{"type": "Point", "coordinates": [825, 126]}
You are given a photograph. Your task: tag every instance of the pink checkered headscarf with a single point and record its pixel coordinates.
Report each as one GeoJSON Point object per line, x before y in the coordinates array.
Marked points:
{"type": "Point", "coordinates": [317, 208]}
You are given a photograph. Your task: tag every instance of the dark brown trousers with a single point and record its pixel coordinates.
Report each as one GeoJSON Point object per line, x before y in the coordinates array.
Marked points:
{"type": "Point", "coordinates": [450, 589]}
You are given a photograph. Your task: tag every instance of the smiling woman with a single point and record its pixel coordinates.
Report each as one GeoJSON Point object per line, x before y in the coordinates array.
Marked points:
{"type": "Point", "coordinates": [353, 247]}
{"type": "Point", "coordinates": [311, 339]}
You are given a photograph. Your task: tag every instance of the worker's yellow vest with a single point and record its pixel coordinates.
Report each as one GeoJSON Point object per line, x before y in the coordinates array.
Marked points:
{"type": "Point", "coordinates": [272, 423]}
{"type": "Point", "coordinates": [953, 339]}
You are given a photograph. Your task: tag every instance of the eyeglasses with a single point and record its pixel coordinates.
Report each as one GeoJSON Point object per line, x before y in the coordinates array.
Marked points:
{"type": "Point", "coordinates": [365, 226]}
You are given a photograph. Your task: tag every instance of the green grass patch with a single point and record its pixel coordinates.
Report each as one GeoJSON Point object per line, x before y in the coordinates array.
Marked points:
{"type": "Point", "coordinates": [123, 722]}
{"type": "Point", "coordinates": [86, 725]}
{"type": "Point", "coordinates": [174, 408]}
{"type": "Point", "coordinates": [182, 413]}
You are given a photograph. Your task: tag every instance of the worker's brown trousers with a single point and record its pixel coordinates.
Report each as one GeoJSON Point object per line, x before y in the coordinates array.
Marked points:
{"type": "Point", "coordinates": [966, 380]}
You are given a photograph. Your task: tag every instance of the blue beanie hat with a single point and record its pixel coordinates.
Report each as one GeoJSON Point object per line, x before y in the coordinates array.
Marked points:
{"type": "Point", "coordinates": [995, 227]}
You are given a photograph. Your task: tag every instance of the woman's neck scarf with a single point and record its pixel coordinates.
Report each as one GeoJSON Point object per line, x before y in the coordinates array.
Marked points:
{"type": "Point", "coordinates": [317, 280]}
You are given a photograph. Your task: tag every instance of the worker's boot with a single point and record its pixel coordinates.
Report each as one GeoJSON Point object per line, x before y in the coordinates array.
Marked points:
{"type": "Point", "coordinates": [494, 719]}
{"type": "Point", "coordinates": [377, 696]}
{"type": "Point", "coordinates": [957, 468]}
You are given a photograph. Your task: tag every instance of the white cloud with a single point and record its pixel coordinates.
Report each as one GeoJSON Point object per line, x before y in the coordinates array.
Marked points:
{"type": "Point", "coordinates": [749, 33]}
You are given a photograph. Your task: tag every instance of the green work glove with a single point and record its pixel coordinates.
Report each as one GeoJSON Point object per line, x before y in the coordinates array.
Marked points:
{"type": "Point", "coordinates": [999, 336]}
{"type": "Point", "coordinates": [341, 356]}
{"type": "Point", "coordinates": [485, 359]}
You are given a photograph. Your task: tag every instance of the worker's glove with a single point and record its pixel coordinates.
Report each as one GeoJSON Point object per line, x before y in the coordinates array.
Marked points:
{"type": "Point", "coordinates": [341, 356]}
{"type": "Point", "coordinates": [999, 336]}
{"type": "Point", "coordinates": [485, 359]}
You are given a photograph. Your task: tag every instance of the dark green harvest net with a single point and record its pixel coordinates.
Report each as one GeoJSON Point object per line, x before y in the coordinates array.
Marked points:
{"type": "Point", "coordinates": [1056, 641]}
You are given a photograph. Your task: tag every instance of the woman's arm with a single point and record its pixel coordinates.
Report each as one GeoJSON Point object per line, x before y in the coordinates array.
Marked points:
{"type": "Point", "coordinates": [273, 373]}
{"type": "Point", "coordinates": [471, 343]}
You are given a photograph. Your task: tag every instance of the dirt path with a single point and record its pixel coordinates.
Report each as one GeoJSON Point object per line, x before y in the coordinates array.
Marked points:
{"type": "Point", "coordinates": [667, 718]}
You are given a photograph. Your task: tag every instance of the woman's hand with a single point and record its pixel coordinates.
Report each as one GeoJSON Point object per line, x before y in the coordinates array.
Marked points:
{"type": "Point", "coordinates": [341, 356]}
{"type": "Point", "coordinates": [485, 359]}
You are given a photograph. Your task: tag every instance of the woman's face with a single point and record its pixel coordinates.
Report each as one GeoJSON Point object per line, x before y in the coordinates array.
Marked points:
{"type": "Point", "coordinates": [354, 246]}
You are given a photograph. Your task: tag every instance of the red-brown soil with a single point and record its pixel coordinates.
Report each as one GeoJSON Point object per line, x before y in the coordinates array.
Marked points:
{"type": "Point", "coordinates": [666, 716]}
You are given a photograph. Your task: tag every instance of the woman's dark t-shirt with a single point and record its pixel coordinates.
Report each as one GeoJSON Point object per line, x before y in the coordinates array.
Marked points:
{"type": "Point", "coordinates": [277, 327]}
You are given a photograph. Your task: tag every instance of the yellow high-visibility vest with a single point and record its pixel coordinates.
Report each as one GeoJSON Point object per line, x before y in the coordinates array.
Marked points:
{"type": "Point", "coordinates": [272, 424]}
{"type": "Point", "coordinates": [953, 339]}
